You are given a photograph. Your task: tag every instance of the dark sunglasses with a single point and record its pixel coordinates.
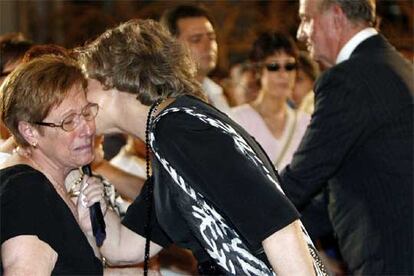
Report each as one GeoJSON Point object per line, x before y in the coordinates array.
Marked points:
{"type": "Point", "coordinates": [273, 67]}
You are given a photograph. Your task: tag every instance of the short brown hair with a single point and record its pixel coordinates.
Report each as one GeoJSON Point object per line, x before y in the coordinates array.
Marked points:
{"type": "Point", "coordinates": [34, 88]}
{"type": "Point", "coordinates": [45, 49]}
{"type": "Point", "coordinates": [170, 18]}
{"type": "Point", "coordinates": [142, 58]}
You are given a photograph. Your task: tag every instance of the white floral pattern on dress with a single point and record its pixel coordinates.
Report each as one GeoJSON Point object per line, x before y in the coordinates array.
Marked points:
{"type": "Point", "coordinates": [222, 242]}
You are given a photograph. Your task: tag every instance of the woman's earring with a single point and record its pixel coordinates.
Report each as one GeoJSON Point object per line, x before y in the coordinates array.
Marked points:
{"type": "Point", "coordinates": [34, 144]}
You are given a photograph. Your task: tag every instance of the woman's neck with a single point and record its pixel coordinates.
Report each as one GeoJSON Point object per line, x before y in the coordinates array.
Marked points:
{"type": "Point", "coordinates": [274, 113]}
{"type": "Point", "coordinates": [55, 173]}
{"type": "Point", "coordinates": [122, 112]}
{"type": "Point", "coordinates": [270, 106]}
{"type": "Point", "coordinates": [138, 111]}
{"type": "Point", "coordinates": [127, 115]}
{"type": "Point", "coordinates": [133, 119]}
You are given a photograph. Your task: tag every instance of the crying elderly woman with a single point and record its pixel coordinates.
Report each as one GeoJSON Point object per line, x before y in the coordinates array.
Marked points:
{"type": "Point", "coordinates": [44, 106]}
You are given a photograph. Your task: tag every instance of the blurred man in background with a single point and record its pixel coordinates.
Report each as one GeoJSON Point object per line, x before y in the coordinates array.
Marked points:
{"type": "Point", "coordinates": [193, 26]}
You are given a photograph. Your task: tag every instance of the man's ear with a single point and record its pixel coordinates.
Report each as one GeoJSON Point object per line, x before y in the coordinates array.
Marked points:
{"type": "Point", "coordinates": [340, 19]}
{"type": "Point", "coordinates": [29, 133]}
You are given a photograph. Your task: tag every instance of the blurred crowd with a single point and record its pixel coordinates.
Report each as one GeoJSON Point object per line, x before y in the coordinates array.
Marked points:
{"type": "Point", "coordinates": [270, 94]}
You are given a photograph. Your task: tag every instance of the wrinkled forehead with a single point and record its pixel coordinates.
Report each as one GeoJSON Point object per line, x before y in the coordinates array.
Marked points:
{"type": "Point", "coordinates": [75, 94]}
{"type": "Point", "coordinates": [74, 100]}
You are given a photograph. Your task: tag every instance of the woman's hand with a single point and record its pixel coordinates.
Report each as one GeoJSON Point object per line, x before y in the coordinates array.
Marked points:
{"type": "Point", "coordinates": [92, 191]}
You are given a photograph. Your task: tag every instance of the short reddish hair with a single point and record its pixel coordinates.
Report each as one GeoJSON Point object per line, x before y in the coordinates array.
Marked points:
{"type": "Point", "coordinates": [34, 88]}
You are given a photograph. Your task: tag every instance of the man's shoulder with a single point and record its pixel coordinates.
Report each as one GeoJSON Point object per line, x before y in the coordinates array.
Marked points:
{"type": "Point", "coordinates": [340, 81]}
{"type": "Point", "coordinates": [348, 70]}
{"type": "Point", "coordinates": [364, 66]}
{"type": "Point", "coordinates": [331, 75]}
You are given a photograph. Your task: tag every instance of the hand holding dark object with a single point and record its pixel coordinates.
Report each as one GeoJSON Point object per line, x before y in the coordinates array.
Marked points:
{"type": "Point", "coordinates": [97, 220]}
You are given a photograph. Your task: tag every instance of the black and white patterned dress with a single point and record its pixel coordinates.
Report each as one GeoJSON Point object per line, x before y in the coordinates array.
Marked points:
{"type": "Point", "coordinates": [215, 190]}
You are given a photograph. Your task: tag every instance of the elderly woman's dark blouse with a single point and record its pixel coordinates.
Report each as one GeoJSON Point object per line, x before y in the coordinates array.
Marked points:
{"type": "Point", "coordinates": [31, 206]}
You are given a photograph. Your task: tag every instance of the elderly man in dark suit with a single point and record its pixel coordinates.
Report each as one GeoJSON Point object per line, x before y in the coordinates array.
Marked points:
{"type": "Point", "coordinates": [359, 143]}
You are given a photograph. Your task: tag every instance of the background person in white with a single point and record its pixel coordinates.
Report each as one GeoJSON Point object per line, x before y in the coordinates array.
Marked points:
{"type": "Point", "coordinates": [193, 26]}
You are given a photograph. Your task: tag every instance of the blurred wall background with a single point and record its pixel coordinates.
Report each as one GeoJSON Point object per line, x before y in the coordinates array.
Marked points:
{"type": "Point", "coordinates": [71, 23]}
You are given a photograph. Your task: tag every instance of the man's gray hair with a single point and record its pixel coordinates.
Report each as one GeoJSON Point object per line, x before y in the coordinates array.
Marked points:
{"type": "Point", "coordinates": [355, 10]}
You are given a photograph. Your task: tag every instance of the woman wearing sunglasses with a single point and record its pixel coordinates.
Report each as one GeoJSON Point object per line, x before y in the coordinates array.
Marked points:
{"type": "Point", "coordinates": [45, 108]}
{"type": "Point", "coordinates": [270, 119]}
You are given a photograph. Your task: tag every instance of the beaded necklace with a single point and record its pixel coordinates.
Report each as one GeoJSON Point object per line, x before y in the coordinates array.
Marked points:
{"type": "Point", "coordinates": [149, 182]}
